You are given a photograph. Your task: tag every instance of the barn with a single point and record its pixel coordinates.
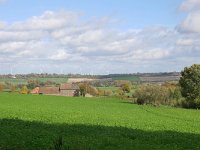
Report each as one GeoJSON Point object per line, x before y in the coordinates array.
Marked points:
{"type": "Point", "coordinates": [69, 89]}
{"type": "Point", "coordinates": [49, 90]}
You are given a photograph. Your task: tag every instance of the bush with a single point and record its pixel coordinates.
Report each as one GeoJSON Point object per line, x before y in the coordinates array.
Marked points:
{"type": "Point", "coordinates": [120, 92]}
{"type": "Point", "coordinates": [126, 88]}
{"type": "Point", "coordinates": [86, 88]}
{"type": "Point", "coordinates": [152, 94]}
{"type": "Point", "coordinates": [24, 90]}
{"type": "Point", "coordinates": [32, 84]}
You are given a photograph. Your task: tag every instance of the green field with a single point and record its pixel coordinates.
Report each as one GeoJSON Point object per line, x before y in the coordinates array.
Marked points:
{"type": "Point", "coordinates": [29, 122]}
{"type": "Point", "coordinates": [13, 81]}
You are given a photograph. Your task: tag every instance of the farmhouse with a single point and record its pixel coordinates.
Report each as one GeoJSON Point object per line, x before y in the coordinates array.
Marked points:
{"type": "Point", "coordinates": [66, 89]}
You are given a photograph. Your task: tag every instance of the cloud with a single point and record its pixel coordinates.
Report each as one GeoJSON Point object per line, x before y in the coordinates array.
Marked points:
{"type": "Point", "coordinates": [62, 40]}
{"type": "Point", "coordinates": [60, 55]}
{"type": "Point", "coordinates": [189, 5]}
{"type": "Point", "coordinates": [191, 24]}
{"type": "Point", "coordinates": [48, 21]}
{"type": "Point", "coordinates": [188, 42]}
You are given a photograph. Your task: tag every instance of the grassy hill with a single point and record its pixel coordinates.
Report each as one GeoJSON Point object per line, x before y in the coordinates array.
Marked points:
{"type": "Point", "coordinates": [36, 122]}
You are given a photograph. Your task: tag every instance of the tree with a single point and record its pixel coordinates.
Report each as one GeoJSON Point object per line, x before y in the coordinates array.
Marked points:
{"type": "Point", "coordinates": [190, 85]}
{"type": "Point", "coordinates": [24, 90]}
{"type": "Point", "coordinates": [32, 84]}
{"type": "Point", "coordinates": [83, 88]}
{"type": "Point", "coordinates": [126, 88]}
{"type": "Point", "coordinates": [120, 93]}
{"type": "Point", "coordinates": [86, 88]}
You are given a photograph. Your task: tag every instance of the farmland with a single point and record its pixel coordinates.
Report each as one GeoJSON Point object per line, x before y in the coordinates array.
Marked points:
{"type": "Point", "coordinates": [126, 77]}
{"type": "Point", "coordinates": [36, 122]}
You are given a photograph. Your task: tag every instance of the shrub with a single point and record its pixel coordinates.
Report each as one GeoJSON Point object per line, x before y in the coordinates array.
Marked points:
{"type": "Point", "coordinates": [152, 94]}
{"type": "Point", "coordinates": [32, 84]}
{"type": "Point", "coordinates": [24, 90]}
{"type": "Point", "coordinates": [126, 87]}
{"type": "Point", "coordinates": [86, 88]}
{"type": "Point", "coordinates": [120, 93]}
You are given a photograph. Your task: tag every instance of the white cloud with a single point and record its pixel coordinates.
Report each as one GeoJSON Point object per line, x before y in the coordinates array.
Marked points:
{"type": "Point", "coordinates": [191, 23]}
{"type": "Point", "coordinates": [18, 35]}
{"type": "Point", "coordinates": [60, 55]}
{"type": "Point", "coordinates": [188, 42]}
{"type": "Point", "coordinates": [64, 40]}
{"type": "Point", "coordinates": [49, 20]}
{"type": "Point", "coordinates": [189, 5]}
{"type": "Point", "coordinates": [2, 25]}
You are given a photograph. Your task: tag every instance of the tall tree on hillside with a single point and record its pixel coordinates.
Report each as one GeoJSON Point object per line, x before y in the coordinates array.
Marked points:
{"type": "Point", "coordinates": [190, 85]}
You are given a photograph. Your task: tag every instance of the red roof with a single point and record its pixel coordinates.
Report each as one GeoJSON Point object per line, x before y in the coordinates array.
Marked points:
{"type": "Point", "coordinates": [35, 90]}
{"type": "Point", "coordinates": [49, 90]}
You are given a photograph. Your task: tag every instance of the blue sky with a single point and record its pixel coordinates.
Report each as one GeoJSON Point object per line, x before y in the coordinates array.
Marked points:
{"type": "Point", "coordinates": [133, 13]}
{"type": "Point", "coordinates": [98, 36]}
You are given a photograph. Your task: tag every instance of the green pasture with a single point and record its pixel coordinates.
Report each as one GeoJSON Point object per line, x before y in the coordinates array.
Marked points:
{"type": "Point", "coordinates": [31, 122]}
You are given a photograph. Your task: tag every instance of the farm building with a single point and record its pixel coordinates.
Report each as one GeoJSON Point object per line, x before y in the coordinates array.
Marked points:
{"type": "Point", "coordinates": [49, 90]}
{"type": "Point", "coordinates": [35, 90]}
{"type": "Point", "coordinates": [63, 90]}
{"type": "Point", "coordinates": [68, 89]}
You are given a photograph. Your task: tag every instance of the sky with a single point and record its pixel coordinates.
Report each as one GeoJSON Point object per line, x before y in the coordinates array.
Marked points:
{"type": "Point", "coordinates": [98, 36]}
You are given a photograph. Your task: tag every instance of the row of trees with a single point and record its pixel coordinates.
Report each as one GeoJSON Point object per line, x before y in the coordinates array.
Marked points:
{"type": "Point", "coordinates": [124, 87]}
{"type": "Point", "coordinates": [12, 88]}
{"type": "Point", "coordinates": [31, 84]}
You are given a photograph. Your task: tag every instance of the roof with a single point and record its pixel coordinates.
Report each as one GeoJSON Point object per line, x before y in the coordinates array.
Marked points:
{"type": "Point", "coordinates": [35, 90]}
{"type": "Point", "coordinates": [69, 86]}
{"type": "Point", "coordinates": [49, 90]}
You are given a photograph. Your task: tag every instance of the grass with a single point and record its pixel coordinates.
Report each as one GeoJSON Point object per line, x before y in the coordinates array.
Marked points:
{"type": "Point", "coordinates": [36, 122]}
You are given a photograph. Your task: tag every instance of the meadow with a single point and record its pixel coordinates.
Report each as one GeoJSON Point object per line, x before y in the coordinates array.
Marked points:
{"type": "Point", "coordinates": [30, 122]}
